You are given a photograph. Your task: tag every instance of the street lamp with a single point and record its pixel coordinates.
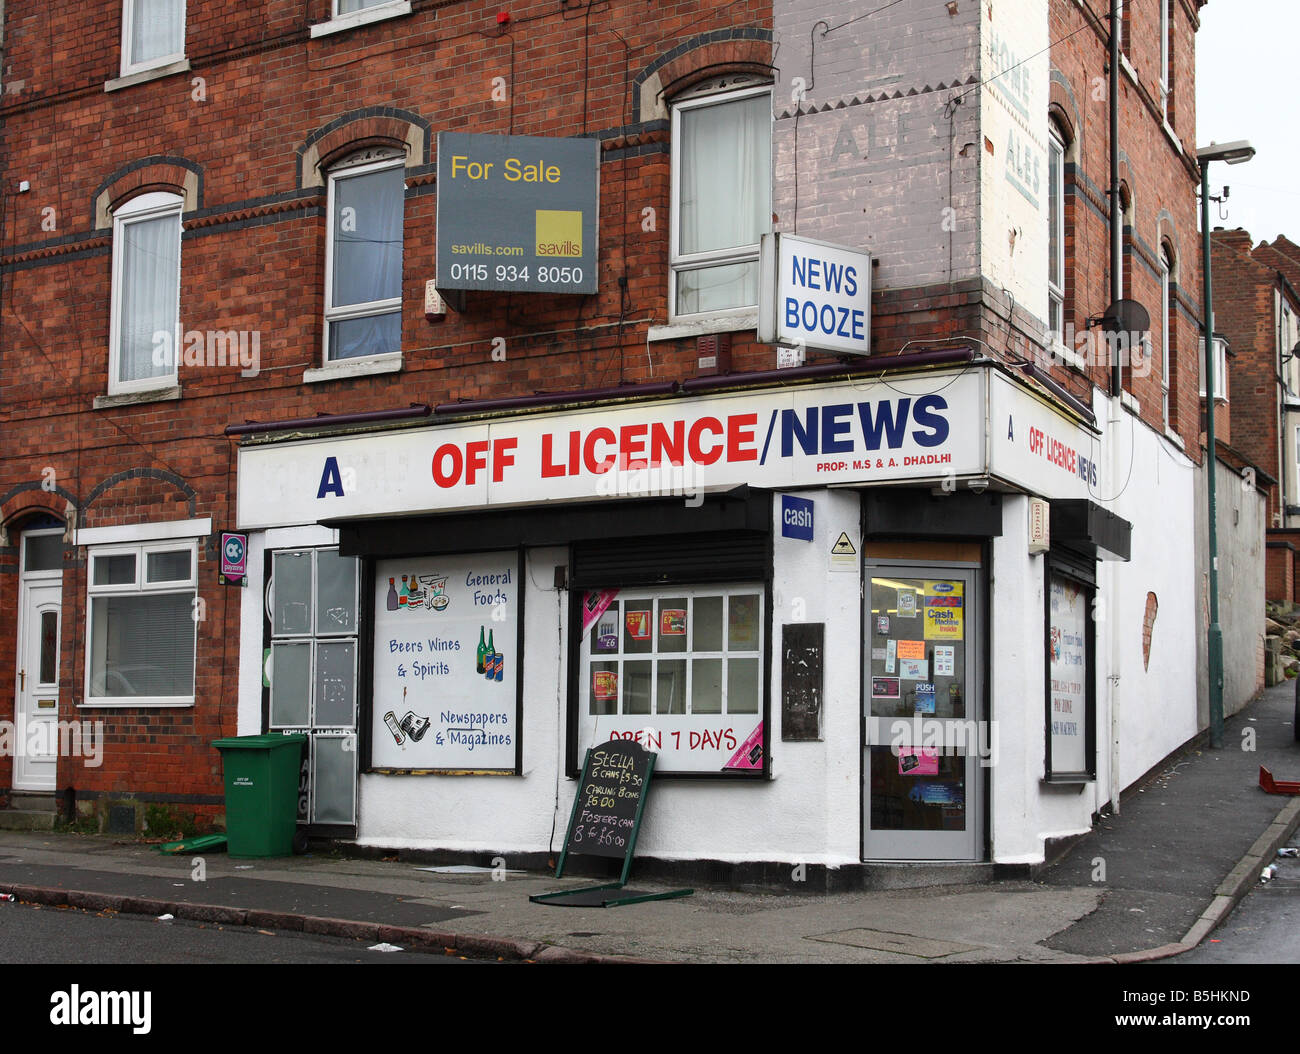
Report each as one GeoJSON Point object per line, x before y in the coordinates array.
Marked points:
{"type": "Point", "coordinates": [1233, 153]}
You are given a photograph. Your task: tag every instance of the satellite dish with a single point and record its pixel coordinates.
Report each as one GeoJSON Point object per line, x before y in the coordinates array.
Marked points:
{"type": "Point", "coordinates": [1126, 316]}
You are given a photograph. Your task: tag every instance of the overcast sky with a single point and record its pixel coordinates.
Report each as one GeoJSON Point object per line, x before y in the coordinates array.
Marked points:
{"type": "Point", "coordinates": [1246, 66]}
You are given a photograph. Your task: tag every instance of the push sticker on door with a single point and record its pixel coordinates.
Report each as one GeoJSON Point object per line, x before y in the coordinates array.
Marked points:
{"type": "Point", "coordinates": [943, 607]}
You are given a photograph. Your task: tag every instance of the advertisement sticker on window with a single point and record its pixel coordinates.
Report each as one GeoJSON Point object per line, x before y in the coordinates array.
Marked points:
{"type": "Point", "coordinates": [943, 605]}
{"type": "Point", "coordinates": [446, 662]}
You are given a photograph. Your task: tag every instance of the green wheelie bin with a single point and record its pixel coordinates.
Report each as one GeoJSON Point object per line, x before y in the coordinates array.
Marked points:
{"type": "Point", "coordinates": [261, 774]}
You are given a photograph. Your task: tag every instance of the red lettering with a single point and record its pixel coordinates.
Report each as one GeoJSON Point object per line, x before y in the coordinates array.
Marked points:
{"type": "Point", "coordinates": [631, 445]}
{"type": "Point", "coordinates": [447, 479]}
{"type": "Point", "coordinates": [574, 439]}
{"type": "Point", "coordinates": [738, 434]}
{"type": "Point", "coordinates": [698, 454]}
{"type": "Point", "coordinates": [502, 458]}
{"type": "Point", "coordinates": [475, 459]}
{"type": "Point", "coordinates": [549, 468]}
{"type": "Point", "coordinates": [598, 435]}
{"type": "Point", "coordinates": [661, 443]}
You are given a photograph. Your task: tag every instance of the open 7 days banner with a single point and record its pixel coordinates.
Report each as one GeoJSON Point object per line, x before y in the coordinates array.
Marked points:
{"type": "Point", "coordinates": [446, 663]}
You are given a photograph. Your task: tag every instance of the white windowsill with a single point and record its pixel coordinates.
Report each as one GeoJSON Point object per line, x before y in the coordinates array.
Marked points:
{"type": "Point", "coordinates": [149, 395]}
{"type": "Point", "coordinates": [144, 532]}
{"type": "Point", "coordinates": [149, 701]}
{"type": "Point", "coordinates": [364, 17]}
{"type": "Point", "coordinates": [1171, 135]}
{"type": "Point", "coordinates": [738, 323]}
{"type": "Point", "coordinates": [344, 368]}
{"type": "Point", "coordinates": [128, 79]}
{"type": "Point", "coordinates": [1070, 358]}
{"type": "Point", "coordinates": [1129, 403]}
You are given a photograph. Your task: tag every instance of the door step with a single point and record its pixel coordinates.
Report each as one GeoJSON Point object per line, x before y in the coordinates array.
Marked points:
{"type": "Point", "coordinates": [30, 811]}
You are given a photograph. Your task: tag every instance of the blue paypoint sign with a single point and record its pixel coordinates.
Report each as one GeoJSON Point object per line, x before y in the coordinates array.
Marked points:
{"type": "Point", "coordinates": [796, 517]}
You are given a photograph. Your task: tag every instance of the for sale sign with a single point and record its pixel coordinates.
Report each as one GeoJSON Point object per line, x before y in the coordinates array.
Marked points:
{"type": "Point", "coordinates": [518, 213]}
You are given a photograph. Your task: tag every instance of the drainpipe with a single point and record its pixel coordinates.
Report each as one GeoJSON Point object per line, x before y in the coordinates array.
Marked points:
{"type": "Point", "coordinates": [1116, 388]}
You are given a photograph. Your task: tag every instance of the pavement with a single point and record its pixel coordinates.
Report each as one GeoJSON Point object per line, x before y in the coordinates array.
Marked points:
{"type": "Point", "coordinates": [1149, 883]}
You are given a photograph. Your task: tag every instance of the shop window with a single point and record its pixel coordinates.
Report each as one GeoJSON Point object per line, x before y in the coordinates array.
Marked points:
{"type": "Point", "coordinates": [678, 667]}
{"type": "Point", "coordinates": [722, 197]}
{"type": "Point", "coordinates": [153, 34]}
{"type": "Point", "coordinates": [363, 262]}
{"type": "Point", "coordinates": [145, 326]}
{"type": "Point", "coordinates": [1071, 689]}
{"type": "Point", "coordinates": [313, 673]}
{"type": "Point", "coordinates": [142, 625]}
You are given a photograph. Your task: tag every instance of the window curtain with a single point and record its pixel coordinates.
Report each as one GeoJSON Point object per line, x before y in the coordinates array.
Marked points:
{"type": "Point", "coordinates": [150, 275]}
{"type": "Point", "coordinates": [157, 29]}
{"type": "Point", "coordinates": [368, 214]}
{"type": "Point", "coordinates": [724, 199]}
{"type": "Point", "coordinates": [346, 7]}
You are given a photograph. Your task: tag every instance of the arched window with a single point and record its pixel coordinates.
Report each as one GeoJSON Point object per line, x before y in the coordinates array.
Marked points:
{"type": "Point", "coordinates": [722, 195]}
{"type": "Point", "coordinates": [145, 326]}
{"type": "Point", "coordinates": [363, 261]}
{"type": "Point", "coordinates": [1055, 233]}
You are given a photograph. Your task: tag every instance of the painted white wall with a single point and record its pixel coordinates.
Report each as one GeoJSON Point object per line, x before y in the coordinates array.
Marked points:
{"type": "Point", "coordinates": [808, 812]}
{"type": "Point", "coordinates": [1157, 712]}
{"type": "Point", "coordinates": [1013, 150]}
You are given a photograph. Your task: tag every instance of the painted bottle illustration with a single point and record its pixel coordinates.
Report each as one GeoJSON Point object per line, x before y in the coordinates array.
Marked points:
{"type": "Point", "coordinates": [499, 665]}
{"type": "Point", "coordinates": [489, 658]}
{"type": "Point", "coordinates": [482, 651]}
{"type": "Point", "coordinates": [392, 596]}
{"type": "Point", "coordinates": [401, 597]}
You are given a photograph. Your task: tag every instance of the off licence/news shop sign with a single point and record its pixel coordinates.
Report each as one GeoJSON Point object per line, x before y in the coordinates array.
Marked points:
{"type": "Point", "coordinates": [517, 213]}
{"type": "Point", "coordinates": [815, 295]}
{"type": "Point", "coordinates": [927, 426]}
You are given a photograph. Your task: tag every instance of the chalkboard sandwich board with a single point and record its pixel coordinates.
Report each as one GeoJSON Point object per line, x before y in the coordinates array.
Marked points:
{"type": "Point", "coordinates": [605, 820]}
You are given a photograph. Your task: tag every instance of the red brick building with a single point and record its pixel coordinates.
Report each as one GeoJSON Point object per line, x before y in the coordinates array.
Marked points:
{"type": "Point", "coordinates": [1256, 304]}
{"type": "Point", "coordinates": [218, 263]}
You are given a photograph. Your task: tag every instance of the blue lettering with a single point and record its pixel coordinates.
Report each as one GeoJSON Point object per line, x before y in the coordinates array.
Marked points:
{"type": "Point", "coordinates": [924, 415]}
{"type": "Point", "coordinates": [851, 281]}
{"type": "Point", "coordinates": [805, 433]}
{"type": "Point", "coordinates": [887, 420]}
{"type": "Point", "coordinates": [813, 277]}
{"type": "Point", "coordinates": [792, 312]}
{"type": "Point", "coordinates": [833, 276]}
{"type": "Point", "coordinates": [834, 425]}
{"type": "Point", "coordinates": [809, 324]}
{"type": "Point", "coordinates": [858, 320]}
{"type": "Point", "coordinates": [330, 480]}
{"type": "Point", "coordinates": [828, 327]}
{"type": "Point", "coordinates": [800, 276]}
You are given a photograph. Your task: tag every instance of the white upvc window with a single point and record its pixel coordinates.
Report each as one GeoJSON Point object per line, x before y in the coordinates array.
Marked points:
{"type": "Point", "coordinates": [363, 261]}
{"type": "Point", "coordinates": [349, 14]}
{"type": "Point", "coordinates": [1166, 345]}
{"type": "Point", "coordinates": [141, 624]}
{"type": "Point", "coordinates": [153, 34]}
{"type": "Point", "coordinates": [1055, 236]}
{"type": "Point", "coordinates": [145, 313]}
{"type": "Point", "coordinates": [1220, 368]}
{"type": "Point", "coordinates": [1166, 27]}
{"type": "Point", "coordinates": [721, 200]}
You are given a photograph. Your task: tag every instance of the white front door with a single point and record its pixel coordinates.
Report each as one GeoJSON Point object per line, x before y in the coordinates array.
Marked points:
{"type": "Point", "coordinates": [36, 711]}
{"type": "Point", "coordinates": [34, 738]}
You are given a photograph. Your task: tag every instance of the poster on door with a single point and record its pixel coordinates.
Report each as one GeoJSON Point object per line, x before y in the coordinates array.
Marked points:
{"type": "Point", "coordinates": [446, 663]}
{"type": "Point", "coordinates": [944, 608]}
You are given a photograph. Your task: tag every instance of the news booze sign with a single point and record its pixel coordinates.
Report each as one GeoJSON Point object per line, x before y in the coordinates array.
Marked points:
{"type": "Point", "coordinates": [814, 295]}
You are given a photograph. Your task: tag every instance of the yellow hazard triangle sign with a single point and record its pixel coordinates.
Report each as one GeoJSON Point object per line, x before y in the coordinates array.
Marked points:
{"type": "Point", "coordinates": [842, 546]}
